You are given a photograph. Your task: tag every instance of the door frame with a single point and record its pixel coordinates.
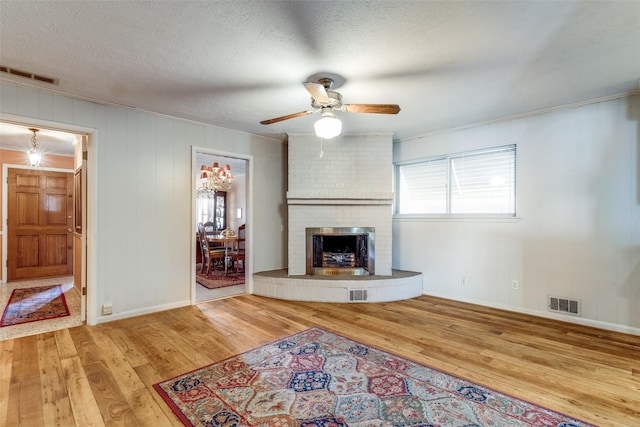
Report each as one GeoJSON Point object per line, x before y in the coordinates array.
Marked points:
{"type": "Point", "coordinates": [195, 171]}
{"type": "Point", "coordinates": [90, 217]}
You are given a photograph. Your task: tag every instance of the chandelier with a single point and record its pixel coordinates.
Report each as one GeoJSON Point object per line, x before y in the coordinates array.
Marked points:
{"type": "Point", "coordinates": [216, 178]}
{"type": "Point", "coordinates": [34, 155]}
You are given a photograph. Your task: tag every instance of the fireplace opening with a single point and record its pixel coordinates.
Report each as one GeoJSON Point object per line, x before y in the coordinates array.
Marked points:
{"type": "Point", "coordinates": [340, 251]}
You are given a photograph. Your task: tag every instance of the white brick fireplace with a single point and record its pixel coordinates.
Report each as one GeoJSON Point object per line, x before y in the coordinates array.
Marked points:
{"type": "Point", "coordinates": [344, 182]}
{"type": "Point", "coordinates": [349, 186]}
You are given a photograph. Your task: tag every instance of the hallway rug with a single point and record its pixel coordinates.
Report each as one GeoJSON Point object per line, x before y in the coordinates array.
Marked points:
{"type": "Point", "coordinates": [316, 378]}
{"type": "Point", "coordinates": [33, 304]}
{"type": "Point", "coordinates": [217, 278]}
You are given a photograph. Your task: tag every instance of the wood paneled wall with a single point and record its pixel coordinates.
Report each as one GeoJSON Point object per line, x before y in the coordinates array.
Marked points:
{"type": "Point", "coordinates": [140, 184]}
{"type": "Point", "coordinates": [578, 229]}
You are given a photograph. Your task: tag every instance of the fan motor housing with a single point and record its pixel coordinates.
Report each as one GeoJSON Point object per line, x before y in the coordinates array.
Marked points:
{"type": "Point", "coordinates": [335, 100]}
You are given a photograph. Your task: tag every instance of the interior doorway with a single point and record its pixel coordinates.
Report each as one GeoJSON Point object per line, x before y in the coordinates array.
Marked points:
{"type": "Point", "coordinates": [43, 239]}
{"type": "Point", "coordinates": [220, 209]}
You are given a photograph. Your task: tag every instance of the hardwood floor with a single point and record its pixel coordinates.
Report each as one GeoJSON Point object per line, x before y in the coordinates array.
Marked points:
{"type": "Point", "coordinates": [103, 375]}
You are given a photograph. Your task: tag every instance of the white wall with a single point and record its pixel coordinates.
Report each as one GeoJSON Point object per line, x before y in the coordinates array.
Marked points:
{"type": "Point", "coordinates": [236, 198]}
{"type": "Point", "coordinates": [578, 232]}
{"type": "Point", "coordinates": [142, 238]}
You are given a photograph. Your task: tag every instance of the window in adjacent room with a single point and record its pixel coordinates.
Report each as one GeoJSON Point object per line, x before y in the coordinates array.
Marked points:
{"type": "Point", "coordinates": [481, 182]}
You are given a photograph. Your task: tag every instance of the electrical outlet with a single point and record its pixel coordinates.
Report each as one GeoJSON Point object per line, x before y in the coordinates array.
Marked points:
{"type": "Point", "coordinates": [107, 309]}
{"type": "Point", "coordinates": [515, 285]}
{"type": "Point", "coordinates": [463, 281]}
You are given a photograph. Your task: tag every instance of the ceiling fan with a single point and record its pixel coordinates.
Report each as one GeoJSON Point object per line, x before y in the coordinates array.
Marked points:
{"type": "Point", "coordinates": [326, 101]}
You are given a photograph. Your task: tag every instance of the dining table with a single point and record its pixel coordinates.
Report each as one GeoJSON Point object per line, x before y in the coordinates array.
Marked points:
{"type": "Point", "coordinates": [230, 242]}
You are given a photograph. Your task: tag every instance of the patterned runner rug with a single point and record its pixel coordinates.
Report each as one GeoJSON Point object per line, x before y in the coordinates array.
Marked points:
{"type": "Point", "coordinates": [32, 304]}
{"type": "Point", "coordinates": [217, 278]}
{"type": "Point", "coordinates": [318, 379]}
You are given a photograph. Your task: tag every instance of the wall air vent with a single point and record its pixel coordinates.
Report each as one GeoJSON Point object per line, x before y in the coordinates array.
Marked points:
{"type": "Point", "coordinates": [564, 305]}
{"type": "Point", "coordinates": [357, 295]}
{"type": "Point", "coordinates": [28, 75]}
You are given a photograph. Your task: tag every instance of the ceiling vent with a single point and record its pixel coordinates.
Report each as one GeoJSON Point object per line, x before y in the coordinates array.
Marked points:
{"type": "Point", "coordinates": [28, 75]}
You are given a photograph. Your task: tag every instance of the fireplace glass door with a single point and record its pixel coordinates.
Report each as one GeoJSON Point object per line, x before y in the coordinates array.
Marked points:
{"type": "Point", "coordinates": [340, 251]}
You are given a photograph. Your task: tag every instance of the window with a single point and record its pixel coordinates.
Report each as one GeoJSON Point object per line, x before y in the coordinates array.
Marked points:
{"type": "Point", "coordinates": [204, 205]}
{"type": "Point", "coordinates": [474, 182]}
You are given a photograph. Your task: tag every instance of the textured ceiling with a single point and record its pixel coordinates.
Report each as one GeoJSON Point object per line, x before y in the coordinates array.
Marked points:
{"type": "Point", "coordinates": [49, 141]}
{"type": "Point", "coordinates": [233, 64]}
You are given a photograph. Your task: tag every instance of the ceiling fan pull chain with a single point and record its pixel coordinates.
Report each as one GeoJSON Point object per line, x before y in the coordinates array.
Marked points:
{"type": "Point", "coordinates": [321, 149]}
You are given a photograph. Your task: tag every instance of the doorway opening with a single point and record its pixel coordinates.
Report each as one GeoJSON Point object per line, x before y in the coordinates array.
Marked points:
{"type": "Point", "coordinates": [43, 239]}
{"type": "Point", "coordinates": [220, 224]}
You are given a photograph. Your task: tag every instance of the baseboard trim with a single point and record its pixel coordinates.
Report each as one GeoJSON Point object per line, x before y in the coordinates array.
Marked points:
{"type": "Point", "coordinates": [547, 315]}
{"type": "Point", "coordinates": [139, 312]}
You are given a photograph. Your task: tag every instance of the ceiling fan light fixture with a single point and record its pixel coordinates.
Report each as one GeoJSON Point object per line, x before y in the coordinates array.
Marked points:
{"type": "Point", "coordinates": [327, 101]}
{"type": "Point", "coordinates": [328, 126]}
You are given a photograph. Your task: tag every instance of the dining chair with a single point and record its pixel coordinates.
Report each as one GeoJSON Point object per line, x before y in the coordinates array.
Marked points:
{"type": "Point", "coordinates": [209, 227]}
{"type": "Point", "coordinates": [210, 255]}
{"type": "Point", "coordinates": [240, 249]}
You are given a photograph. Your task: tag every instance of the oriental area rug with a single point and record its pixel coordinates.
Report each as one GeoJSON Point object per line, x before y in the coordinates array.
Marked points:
{"type": "Point", "coordinates": [316, 378]}
{"type": "Point", "coordinates": [33, 304]}
{"type": "Point", "coordinates": [217, 278]}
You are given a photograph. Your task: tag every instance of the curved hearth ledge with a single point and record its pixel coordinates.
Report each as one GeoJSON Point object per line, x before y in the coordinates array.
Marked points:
{"type": "Point", "coordinates": [278, 284]}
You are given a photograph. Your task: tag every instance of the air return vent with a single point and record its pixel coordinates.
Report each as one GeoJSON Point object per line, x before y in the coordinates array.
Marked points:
{"type": "Point", "coordinates": [564, 305]}
{"type": "Point", "coordinates": [358, 295]}
{"type": "Point", "coordinates": [29, 75]}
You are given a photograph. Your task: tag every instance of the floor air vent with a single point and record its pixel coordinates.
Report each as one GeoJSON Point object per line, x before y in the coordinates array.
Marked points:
{"type": "Point", "coordinates": [564, 305]}
{"type": "Point", "coordinates": [358, 295]}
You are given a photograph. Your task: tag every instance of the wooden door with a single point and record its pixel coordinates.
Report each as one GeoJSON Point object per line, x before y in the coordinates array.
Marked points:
{"type": "Point", "coordinates": [39, 224]}
{"type": "Point", "coordinates": [80, 223]}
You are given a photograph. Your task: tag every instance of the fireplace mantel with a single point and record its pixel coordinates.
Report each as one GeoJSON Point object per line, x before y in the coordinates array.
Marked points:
{"type": "Point", "coordinates": [339, 198]}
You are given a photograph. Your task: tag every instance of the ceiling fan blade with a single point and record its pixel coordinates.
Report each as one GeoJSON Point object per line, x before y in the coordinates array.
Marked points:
{"type": "Point", "coordinates": [287, 117]}
{"type": "Point", "coordinates": [318, 92]}
{"type": "Point", "coordinates": [371, 108]}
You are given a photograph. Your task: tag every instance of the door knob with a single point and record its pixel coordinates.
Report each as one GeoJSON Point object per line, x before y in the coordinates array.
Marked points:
{"type": "Point", "coordinates": [69, 230]}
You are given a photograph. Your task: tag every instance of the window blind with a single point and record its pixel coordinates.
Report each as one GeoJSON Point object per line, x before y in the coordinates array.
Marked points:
{"type": "Point", "coordinates": [476, 182]}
